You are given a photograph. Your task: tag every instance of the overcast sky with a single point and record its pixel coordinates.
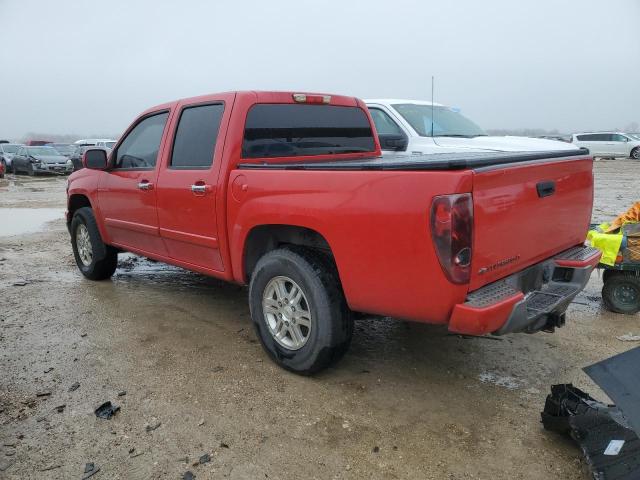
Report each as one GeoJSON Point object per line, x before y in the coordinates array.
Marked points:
{"type": "Point", "coordinates": [91, 66]}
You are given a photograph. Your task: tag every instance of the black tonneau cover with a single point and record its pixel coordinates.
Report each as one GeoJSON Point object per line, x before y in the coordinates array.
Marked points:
{"type": "Point", "coordinates": [435, 161]}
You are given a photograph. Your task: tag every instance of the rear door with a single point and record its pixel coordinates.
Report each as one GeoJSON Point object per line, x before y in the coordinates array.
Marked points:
{"type": "Point", "coordinates": [526, 213]}
{"type": "Point", "coordinates": [127, 193]}
{"type": "Point", "coordinates": [188, 183]}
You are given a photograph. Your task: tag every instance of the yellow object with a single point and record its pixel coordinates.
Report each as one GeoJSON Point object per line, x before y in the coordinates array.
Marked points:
{"type": "Point", "coordinates": [607, 243]}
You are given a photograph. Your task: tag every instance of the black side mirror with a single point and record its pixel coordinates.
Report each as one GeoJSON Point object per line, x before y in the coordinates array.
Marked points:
{"type": "Point", "coordinates": [95, 159]}
{"type": "Point", "coordinates": [392, 141]}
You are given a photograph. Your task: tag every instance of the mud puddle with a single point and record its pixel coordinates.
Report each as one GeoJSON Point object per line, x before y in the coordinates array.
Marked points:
{"type": "Point", "coordinates": [18, 221]}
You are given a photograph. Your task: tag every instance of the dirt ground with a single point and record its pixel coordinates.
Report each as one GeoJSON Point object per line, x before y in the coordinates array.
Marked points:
{"type": "Point", "coordinates": [407, 401]}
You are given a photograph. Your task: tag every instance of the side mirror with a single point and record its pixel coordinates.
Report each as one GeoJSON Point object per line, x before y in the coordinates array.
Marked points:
{"type": "Point", "coordinates": [392, 141]}
{"type": "Point", "coordinates": [95, 159]}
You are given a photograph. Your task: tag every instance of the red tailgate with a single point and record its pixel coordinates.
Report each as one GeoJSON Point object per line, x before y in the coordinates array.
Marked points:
{"type": "Point", "coordinates": [526, 213]}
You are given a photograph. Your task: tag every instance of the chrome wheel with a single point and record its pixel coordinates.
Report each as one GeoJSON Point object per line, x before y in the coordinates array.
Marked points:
{"type": "Point", "coordinates": [636, 154]}
{"type": "Point", "coordinates": [286, 312]}
{"type": "Point", "coordinates": [83, 244]}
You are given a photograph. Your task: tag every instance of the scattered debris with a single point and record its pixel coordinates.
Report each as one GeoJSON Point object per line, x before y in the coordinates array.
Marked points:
{"type": "Point", "coordinates": [106, 410]}
{"type": "Point", "coordinates": [122, 393]}
{"type": "Point", "coordinates": [628, 337]}
{"type": "Point", "coordinates": [74, 387]}
{"type": "Point", "coordinates": [188, 476]}
{"type": "Point", "coordinates": [184, 459]}
{"type": "Point", "coordinates": [43, 394]}
{"type": "Point", "coordinates": [150, 427]}
{"type": "Point", "coordinates": [201, 422]}
{"type": "Point", "coordinates": [50, 369]}
{"type": "Point", "coordinates": [223, 445]}
{"type": "Point", "coordinates": [60, 408]}
{"type": "Point", "coordinates": [83, 335]}
{"type": "Point", "coordinates": [601, 431]}
{"type": "Point", "coordinates": [12, 445]}
{"type": "Point", "coordinates": [5, 464]}
{"type": "Point", "coordinates": [217, 368]}
{"type": "Point", "coordinates": [20, 283]}
{"type": "Point", "coordinates": [90, 470]}
{"type": "Point", "coordinates": [50, 467]}
{"type": "Point", "coordinates": [206, 458]}
{"type": "Point", "coordinates": [10, 453]}
{"type": "Point", "coordinates": [505, 381]}
{"type": "Point", "coordinates": [137, 455]}
{"type": "Point", "coordinates": [375, 449]}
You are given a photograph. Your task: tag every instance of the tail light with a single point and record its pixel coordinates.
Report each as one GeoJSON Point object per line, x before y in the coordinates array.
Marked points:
{"type": "Point", "coordinates": [451, 230]}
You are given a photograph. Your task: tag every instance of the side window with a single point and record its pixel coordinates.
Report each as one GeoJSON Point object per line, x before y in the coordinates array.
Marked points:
{"type": "Point", "coordinates": [21, 152]}
{"type": "Point", "coordinates": [196, 136]}
{"type": "Point", "coordinates": [140, 148]}
{"type": "Point", "coordinates": [618, 138]}
{"type": "Point", "coordinates": [384, 123]}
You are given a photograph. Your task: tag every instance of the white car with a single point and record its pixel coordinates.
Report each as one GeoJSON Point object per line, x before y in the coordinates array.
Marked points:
{"type": "Point", "coordinates": [98, 142]}
{"type": "Point", "coordinates": [406, 127]}
{"type": "Point", "coordinates": [609, 144]}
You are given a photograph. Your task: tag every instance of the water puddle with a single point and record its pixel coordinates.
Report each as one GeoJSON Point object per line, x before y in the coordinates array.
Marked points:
{"type": "Point", "coordinates": [18, 221]}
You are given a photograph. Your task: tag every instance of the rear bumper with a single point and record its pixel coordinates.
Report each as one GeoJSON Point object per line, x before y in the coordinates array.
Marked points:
{"type": "Point", "coordinates": [528, 301]}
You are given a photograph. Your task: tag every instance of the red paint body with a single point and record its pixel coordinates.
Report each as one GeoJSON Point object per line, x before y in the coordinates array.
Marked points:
{"type": "Point", "coordinates": [375, 222]}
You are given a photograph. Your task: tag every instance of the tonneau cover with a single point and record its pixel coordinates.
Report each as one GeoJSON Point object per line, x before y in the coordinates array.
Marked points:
{"type": "Point", "coordinates": [436, 161]}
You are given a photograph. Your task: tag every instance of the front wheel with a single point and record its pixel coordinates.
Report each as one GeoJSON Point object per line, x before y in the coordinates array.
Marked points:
{"type": "Point", "coordinates": [621, 292]}
{"type": "Point", "coordinates": [95, 259]}
{"type": "Point", "coordinates": [635, 153]}
{"type": "Point", "coordinates": [299, 311]}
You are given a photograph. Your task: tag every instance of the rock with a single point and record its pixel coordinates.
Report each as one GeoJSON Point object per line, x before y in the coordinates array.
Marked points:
{"type": "Point", "coordinates": [60, 408]}
{"type": "Point", "coordinates": [106, 410]}
{"type": "Point", "coordinates": [50, 369]}
{"type": "Point", "coordinates": [223, 445]}
{"type": "Point", "coordinates": [375, 449]}
{"type": "Point", "coordinates": [74, 387]}
{"type": "Point", "coordinates": [201, 422]}
{"type": "Point", "coordinates": [43, 394]}
{"type": "Point", "coordinates": [628, 337]}
{"type": "Point", "coordinates": [5, 464]}
{"type": "Point", "coordinates": [90, 470]}
{"type": "Point", "coordinates": [150, 427]}
{"type": "Point", "coordinates": [188, 476]}
{"type": "Point", "coordinates": [206, 458]}
{"type": "Point", "coordinates": [122, 393]}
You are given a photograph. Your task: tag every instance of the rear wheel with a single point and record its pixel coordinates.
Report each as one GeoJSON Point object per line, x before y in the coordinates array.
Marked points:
{"type": "Point", "coordinates": [95, 259]}
{"type": "Point", "coordinates": [621, 292]}
{"type": "Point", "coordinates": [635, 153]}
{"type": "Point", "coordinates": [30, 171]}
{"type": "Point", "coordinates": [299, 311]}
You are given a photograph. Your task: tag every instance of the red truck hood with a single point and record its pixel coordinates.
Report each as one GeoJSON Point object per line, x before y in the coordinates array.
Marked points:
{"type": "Point", "coordinates": [515, 226]}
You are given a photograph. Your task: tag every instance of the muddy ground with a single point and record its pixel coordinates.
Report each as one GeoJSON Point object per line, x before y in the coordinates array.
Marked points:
{"type": "Point", "coordinates": [407, 401]}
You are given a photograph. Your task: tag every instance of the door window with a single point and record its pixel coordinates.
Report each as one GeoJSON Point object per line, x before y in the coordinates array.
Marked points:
{"type": "Point", "coordinates": [384, 123]}
{"type": "Point", "coordinates": [196, 136]}
{"type": "Point", "coordinates": [139, 150]}
{"type": "Point", "coordinates": [619, 138]}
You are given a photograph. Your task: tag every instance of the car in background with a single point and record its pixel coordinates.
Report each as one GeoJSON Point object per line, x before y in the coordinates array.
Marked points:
{"type": "Point", "coordinates": [609, 144]}
{"type": "Point", "coordinates": [416, 127]}
{"type": "Point", "coordinates": [3, 169]}
{"type": "Point", "coordinates": [65, 149]}
{"type": "Point", "coordinates": [40, 159]}
{"type": "Point", "coordinates": [76, 155]}
{"type": "Point", "coordinates": [7, 151]}
{"type": "Point", "coordinates": [37, 143]}
{"type": "Point", "coordinates": [98, 142]}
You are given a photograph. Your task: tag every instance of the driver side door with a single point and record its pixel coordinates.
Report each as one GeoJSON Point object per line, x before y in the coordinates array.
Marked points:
{"type": "Point", "coordinates": [127, 193]}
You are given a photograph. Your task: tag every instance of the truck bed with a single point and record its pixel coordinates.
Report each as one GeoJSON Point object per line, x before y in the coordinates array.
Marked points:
{"type": "Point", "coordinates": [437, 161]}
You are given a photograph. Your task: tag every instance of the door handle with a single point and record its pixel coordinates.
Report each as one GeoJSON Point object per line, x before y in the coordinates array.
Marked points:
{"type": "Point", "coordinates": [546, 188]}
{"type": "Point", "coordinates": [145, 185]}
{"type": "Point", "coordinates": [200, 188]}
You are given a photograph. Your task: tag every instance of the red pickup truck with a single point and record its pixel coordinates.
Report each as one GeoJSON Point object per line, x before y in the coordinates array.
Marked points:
{"type": "Point", "coordinates": [287, 192]}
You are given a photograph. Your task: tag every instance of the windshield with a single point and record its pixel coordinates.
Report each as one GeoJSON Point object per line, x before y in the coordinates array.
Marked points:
{"type": "Point", "coordinates": [446, 122]}
{"type": "Point", "coordinates": [109, 144]}
{"type": "Point", "coordinates": [64, 149]}
{"type": "Point", "coordinates": [10, 148]}
{"type": "Point", "coordinates": [42, 151]}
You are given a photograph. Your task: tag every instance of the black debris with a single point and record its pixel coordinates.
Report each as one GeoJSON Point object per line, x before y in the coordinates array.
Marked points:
{"type": "Point", "coordinates": [60, 408]}
{"type": "Point", "coordinates": [132, 449]}
{"type": "Point", "coordinates": [607, 441]}
{"type": "Point", "coordinates": [90, 470]}
{"type": "Point", "coordinates": [217, 368]}
{"type": "Point", "coordinates": [74, 387]}
{"type": "Point", "coordinates": [106, 410]}
{"type": "Point", "coordinates": [375, 449]}
{"type": "Point", "coordinates": [223, 445]}
{"type": "Point", "coordinates": [188, 476]}
{"type": "Point", "coordinates": [43, 394]}
{"type": "Point", "coordinates": [50, 369]}
{"type": "Point", "coordinates": [122, 393]}
{"type": "Point", "coordinates": [83, 335]}
{"type": "Point", "coordinates": [206, 458]}
{"type": "Point", "coordinates": [20, 283]}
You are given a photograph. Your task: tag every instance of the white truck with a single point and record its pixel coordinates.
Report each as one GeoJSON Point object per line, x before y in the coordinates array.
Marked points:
{"type": "Point", "coordinates": [406, 127]}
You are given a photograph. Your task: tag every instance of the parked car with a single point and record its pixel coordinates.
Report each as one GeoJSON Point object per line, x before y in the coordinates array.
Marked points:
{"type": "Point", "coordinates": [37, 143]}
{"type": "Point", "coordinates": [7, 151]}
{"type": "Point", "coordinates": [3, 169]}
{"type": "Point", "coordinates": [288, 192]}
{"type": "Point", "coordinates": [41, 159]}
{"type": "Point", "coordinates": [406, 127]}
{"type": "Point", "coordinates": [98, 142]}
{"type": "Point", "coordinates": [78, 151]}
{"type": "Point", "coordinates": [609, 144]}
{"type": "Point", "coordinates": [65, 149]}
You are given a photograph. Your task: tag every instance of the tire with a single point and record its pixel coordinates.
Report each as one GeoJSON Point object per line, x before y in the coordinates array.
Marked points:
{"type": "Point", "coordinates": [635, 153]}
{"type": "Point", "coordinates": [606, 274]}
{"type": "Point", "coordinates": [95, 259]}
{"type": "Point", "coordinates": [30, 171]}
{"type": "Point", "coordinates": [321, 305]}
{"type": "Point", "coordinates": [621, 292]}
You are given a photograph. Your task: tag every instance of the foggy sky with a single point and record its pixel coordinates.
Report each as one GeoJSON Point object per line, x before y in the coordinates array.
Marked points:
{"type": "Point", "coordinates": [91, 66]}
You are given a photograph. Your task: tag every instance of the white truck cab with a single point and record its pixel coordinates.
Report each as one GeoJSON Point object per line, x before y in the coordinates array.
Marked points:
{"type": "Point", "coordinates": [418, 127]}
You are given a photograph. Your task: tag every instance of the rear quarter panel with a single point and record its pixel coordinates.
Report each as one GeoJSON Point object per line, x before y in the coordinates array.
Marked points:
{"type": "Point", "coordinates": [376, 223]}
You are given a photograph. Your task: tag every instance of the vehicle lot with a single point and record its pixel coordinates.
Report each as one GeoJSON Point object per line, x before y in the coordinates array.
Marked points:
{"type": "Point", "coordinates": [407, 401]}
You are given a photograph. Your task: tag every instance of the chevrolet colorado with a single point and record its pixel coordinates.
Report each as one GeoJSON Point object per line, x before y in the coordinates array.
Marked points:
{"type": "Point", "coordinates": [288, 192]}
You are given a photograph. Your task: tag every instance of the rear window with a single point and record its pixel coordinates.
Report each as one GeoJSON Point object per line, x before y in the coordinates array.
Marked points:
{"type": "Point", "coordinates": [284, 130]}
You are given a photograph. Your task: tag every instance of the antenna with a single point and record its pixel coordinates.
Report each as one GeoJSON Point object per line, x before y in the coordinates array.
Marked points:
{"type": "Point", "coordinates": [432, 83]}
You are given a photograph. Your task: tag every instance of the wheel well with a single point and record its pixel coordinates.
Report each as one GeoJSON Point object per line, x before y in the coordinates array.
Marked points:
{"type": "Point", "coordinates": [77, 201]}
{"type": "Point", "coordinates": [264, 238]}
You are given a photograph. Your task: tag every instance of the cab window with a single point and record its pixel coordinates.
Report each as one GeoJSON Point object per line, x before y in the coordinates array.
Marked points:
{"type": "Point", "coordinates": [139, 150]}
{"type": "Point", "coordinates": [384, 123]}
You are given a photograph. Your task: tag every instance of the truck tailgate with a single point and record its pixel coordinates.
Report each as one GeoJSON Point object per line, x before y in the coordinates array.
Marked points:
{"type": "Point", "coordinates": [524, 213]}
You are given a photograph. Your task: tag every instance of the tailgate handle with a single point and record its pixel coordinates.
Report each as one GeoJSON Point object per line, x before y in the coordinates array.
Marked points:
{"type": "Point", "coordinates": [546, 188]}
